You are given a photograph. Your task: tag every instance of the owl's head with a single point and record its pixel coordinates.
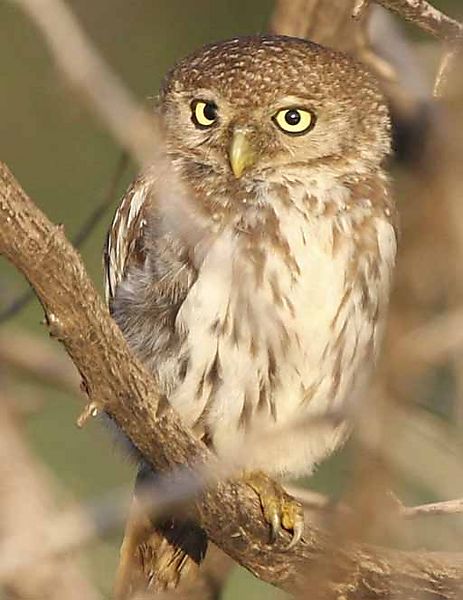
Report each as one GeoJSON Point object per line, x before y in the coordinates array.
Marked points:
{"type": "Point", "coordinates": [263, 107]}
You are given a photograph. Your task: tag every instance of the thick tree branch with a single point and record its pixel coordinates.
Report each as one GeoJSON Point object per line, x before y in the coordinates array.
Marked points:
{"type": "Point", "coordinates": [229, 511]}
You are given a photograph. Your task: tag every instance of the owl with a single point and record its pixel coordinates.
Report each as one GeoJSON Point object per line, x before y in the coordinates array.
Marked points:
{"type": "Point", "coordinates": [257, 296]}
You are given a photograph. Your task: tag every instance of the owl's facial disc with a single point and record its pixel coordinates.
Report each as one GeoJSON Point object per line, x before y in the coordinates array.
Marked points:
{"type": "Point", "coordinates": [244, 133]}
{"type": "Point", "coordinates": [248, 110]}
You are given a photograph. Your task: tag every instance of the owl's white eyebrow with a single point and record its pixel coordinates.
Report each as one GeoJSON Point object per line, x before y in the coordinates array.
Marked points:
{"type": "Point", "coordinates": [294, 101]}
{"type": "Point", "coordinates": [203, 94]}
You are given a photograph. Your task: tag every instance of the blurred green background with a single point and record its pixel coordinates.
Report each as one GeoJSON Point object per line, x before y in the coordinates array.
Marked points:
{"type": "Point", "coordinates": [64, 159]}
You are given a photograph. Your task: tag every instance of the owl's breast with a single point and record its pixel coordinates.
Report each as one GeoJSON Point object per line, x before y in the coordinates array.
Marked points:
{"type": "Point", "coordinates": [280, 326]}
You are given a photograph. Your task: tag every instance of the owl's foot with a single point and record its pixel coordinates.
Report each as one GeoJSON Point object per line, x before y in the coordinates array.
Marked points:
{"type": "Point", "coordinates": [279, 508]}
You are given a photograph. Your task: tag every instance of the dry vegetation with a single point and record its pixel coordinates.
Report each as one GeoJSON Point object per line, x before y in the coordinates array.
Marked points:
{"type": "Point", "coordinates": [397, 431]}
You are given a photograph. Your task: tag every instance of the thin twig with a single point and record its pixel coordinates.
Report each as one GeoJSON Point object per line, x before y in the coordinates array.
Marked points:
{"type": "Point", "coordinates": [422, 14]}
{"type": "Point", "coordinates": [446, 67]}
{"type": "Point", "coordinates": [92, 79]}
{"type": "Point", "coordinates": [436, 340]}
{"type": "Point", "coordinates": [314, 501]}
{"type": "Point", "coordinates": [33, 357]}
{"type": "Point", "coordinates": [448, 507]}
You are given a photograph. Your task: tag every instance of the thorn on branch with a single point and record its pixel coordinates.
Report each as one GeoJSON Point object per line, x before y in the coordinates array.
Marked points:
{"type": "Point", "coordinates": [91, 410]}
{"type": "Point", "coordinates": [54, 326]}
{"type": "Point", "coordinates": [360, 7]}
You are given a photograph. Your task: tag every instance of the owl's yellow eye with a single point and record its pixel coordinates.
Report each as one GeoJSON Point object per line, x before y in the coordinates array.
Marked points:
{"type": "Point", "coordinates": [203, 113]}
{"type": "Point", "coordinates": [295, 121]}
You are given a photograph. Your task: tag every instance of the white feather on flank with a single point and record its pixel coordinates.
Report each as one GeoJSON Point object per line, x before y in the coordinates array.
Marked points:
{"type": "Point", "coordinates": [120, 237]}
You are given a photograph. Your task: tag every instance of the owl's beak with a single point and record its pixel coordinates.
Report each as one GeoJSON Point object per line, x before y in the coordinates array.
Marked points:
{"type": "Point", "coordinates": [240, 152]}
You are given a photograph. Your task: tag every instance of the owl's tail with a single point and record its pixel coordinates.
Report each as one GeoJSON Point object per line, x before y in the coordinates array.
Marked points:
{"type": "Point", "coordinates": [157, 554]}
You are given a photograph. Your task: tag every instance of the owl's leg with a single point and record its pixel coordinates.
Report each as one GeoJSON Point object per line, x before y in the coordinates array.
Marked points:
{"type": "Point", "coordinates": [158, 552]}
{"type": "Point", "coordinates": [279, 508]}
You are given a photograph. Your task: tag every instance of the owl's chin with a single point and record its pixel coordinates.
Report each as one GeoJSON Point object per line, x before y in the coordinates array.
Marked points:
{"type": "Point", "coordinates": [215, 187]}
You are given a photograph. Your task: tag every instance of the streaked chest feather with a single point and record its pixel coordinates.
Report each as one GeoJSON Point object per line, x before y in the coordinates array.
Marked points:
{"type": "Point", "coordinates": [281, 315]}
{"type": "Point", "coordinates": [279, 323]}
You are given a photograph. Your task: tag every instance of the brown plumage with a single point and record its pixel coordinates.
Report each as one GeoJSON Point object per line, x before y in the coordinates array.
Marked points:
{"type": "Point", "coordinates": [257, 301]}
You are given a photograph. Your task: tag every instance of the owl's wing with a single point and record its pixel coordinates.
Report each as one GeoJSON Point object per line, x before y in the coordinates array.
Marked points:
{"type": "Point", "coordinates": [124, 242]}
{"type": "Point", "coordinates": [155, 554]}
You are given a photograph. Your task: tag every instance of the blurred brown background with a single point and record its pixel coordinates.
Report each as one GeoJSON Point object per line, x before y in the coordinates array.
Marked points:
{"type": "Point", "coordinates": [65, 159]}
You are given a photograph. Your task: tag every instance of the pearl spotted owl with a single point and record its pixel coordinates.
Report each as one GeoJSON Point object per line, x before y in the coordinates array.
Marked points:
{"type": "Point", "coordinates": [258, 303]}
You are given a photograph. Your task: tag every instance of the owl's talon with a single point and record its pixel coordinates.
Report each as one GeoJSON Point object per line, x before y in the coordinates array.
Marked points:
{"type": "Point", "coordinates": [298, 530]}
{"type": "Point", "coordinates": [280, 510]}
{"type": "Point", "coordinates": [275, 526]}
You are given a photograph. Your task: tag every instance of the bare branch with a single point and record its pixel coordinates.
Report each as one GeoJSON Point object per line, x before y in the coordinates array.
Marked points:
{"type": "Point", "coordinates": [74, 54]}
{"type": "Point", "coordinates": [31, 356]}
{"type": "Point", "coordinates": [449, 507]}
{"type": "Point", "coordinates": [422, 14]}
{"type": "Point", "coordinates": [435, 341]}
{"type": "Point", "coordinates": [314, 501]}
{"type": "Point", "coordinates": [446, 66]}
{"type": "Point", "coordinates": [427, 17]}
